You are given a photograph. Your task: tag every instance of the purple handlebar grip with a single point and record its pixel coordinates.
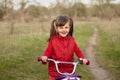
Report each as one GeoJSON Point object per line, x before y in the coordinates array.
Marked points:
{"type": "Point", "coordinates": [39, 59]}
{"type": "Point", "coordinates": [88, 62]}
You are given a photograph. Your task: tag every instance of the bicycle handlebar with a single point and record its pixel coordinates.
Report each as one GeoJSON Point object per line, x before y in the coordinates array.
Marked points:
{"type": "Point", "coordinates": [80, 61]}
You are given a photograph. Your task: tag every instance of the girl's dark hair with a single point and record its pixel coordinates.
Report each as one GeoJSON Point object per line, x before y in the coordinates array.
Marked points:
{"type": "Point", "coordinates": [61, 21]}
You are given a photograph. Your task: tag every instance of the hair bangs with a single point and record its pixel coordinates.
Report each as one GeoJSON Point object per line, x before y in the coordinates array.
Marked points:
{"type": "Point", "coordinates": [61, 21]}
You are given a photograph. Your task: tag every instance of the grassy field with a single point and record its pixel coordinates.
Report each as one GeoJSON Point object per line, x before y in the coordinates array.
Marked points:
{"type": "Point", "coordinates": [108, 51]}
{"type": "Point", "coordinates": [19, 52]}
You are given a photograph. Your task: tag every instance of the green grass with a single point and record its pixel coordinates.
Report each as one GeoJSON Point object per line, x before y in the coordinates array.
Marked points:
{"type": "Point", "coordinates": [109, 48]}
{"type": "Point", "coordinates": [19, 52]}
{"type": "Point", "coordinates": [18, 58]}
{"type": "Point", "coordinates": [82, 32]}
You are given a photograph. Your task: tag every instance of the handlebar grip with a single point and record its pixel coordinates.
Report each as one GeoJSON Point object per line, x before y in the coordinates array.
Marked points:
{"type": "Point", "coordinates": [81, 61]}
{"type": "Point", "coordinates": [39, 59]}
{"type": "Point", "coordinates": [88, 62]}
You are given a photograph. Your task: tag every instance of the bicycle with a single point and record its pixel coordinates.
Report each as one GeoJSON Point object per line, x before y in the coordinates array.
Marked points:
{"type": "Point", "coordinates": [67, 76]}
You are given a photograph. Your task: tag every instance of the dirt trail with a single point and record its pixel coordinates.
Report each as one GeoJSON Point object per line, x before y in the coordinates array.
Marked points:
{"type": "Point", "coordinates": [98, 72]}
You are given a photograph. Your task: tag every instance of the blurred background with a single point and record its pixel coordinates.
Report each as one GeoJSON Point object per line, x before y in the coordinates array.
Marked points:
{"type": "Point", "coordinates": [42, 10]}
{"type": "Point", "coordinates": [27, 11]}
{"type": "Point", "coordinates": [24, 30]}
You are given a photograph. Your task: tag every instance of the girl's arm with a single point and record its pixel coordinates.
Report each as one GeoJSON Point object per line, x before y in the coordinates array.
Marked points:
{"type": "Point", "coordinates": [80, 54]}
{"type": "Point", "coordinates": [78, 51]}
{"type": "Point", "coordinates": [47, 52]}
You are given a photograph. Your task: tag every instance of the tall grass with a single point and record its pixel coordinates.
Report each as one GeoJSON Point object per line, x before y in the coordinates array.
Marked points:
{"type": "Point", "coordinates": [19, 52]}
{"type": "Point", "coordinates": [109, 48]}
{"type": "Point", "coordinates": [18, 58]}
{"type": "Point", "coordinates": [82, 32]}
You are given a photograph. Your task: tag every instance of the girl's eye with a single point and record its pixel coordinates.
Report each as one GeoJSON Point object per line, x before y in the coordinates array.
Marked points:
{"type": "Point", "coordinates": [66, 27]}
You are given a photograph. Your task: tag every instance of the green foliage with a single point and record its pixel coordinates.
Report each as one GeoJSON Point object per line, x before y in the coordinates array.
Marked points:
{"type": "Point", "coordinates": [79, 10]}
{"type": "Point", "coordinates": [33, 11]}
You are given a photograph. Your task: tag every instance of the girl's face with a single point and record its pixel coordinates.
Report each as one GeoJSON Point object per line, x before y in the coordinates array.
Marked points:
{"type": "Point", "coordinates": [63, 30]}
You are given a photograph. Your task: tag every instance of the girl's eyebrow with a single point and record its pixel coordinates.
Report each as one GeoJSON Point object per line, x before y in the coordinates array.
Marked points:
{"type": "Point", "coordinates": [66, 26]}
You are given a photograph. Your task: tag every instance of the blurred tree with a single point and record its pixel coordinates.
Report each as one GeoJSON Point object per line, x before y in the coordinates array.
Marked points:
{"type": "Point", "coordinates": [104, 9]}
{"type": "Point", "coordinates": [32, 11]}
{"type": "Point", "coordinates": [1, 14]}
{"type": "Point", "coordinates": [72, 8]}
{"type": "Point", "coordinates": [79, 10]}
{"type": "Point", "coordinates": [7, 11]}
{"type": "Point", "coordinates": [5, 7]}
{"type": "Point", "coordinates": [23, 3]}
{"type": "Point", "coordinates": [58, 8]}
{"type": "Point", "coordinates": [116, 8]}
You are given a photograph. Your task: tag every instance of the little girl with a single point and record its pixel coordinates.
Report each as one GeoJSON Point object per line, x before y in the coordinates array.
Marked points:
{"type": "Point", "coordinates": [61, 46]}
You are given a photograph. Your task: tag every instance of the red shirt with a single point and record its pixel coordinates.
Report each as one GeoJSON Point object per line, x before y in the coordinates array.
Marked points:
{"type": "Point", "coordinates": [62, 49]}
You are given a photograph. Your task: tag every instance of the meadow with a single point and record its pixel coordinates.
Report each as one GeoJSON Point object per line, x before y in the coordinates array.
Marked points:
{"type": "Point", "coordinates": [108, 50]}
{"type": "Point", "coordinates": [19, 51]}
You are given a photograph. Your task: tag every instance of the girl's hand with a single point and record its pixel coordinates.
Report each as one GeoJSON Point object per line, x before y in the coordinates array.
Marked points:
{"type": "Point", "coordinates": [44, 58]}
{"type": "Point", "coordinates": [85, 61]}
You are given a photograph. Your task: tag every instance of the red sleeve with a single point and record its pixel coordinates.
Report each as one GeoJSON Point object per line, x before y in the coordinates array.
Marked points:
{"type": "Point", "coordinates": [48, 50]}
{"type": "Point", "coordinates": [78, 51]}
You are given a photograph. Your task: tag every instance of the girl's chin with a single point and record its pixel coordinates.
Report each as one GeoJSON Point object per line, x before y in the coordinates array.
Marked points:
{"type": "Point", "coordinates": [63, 35]}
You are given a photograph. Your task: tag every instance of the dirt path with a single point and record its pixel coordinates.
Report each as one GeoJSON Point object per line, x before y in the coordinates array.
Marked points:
{"type": "Point", "coordinates": [98, 72]}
